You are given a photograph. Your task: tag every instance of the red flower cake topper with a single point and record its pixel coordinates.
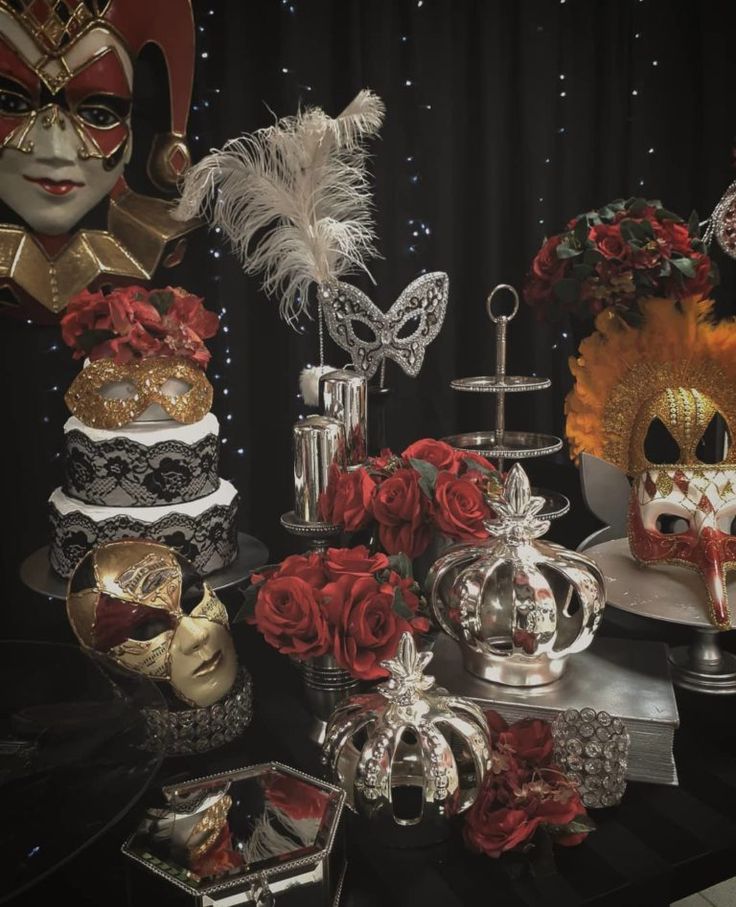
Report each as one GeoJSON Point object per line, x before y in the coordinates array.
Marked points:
{"type": "Point", "coordinates": [134, 323]}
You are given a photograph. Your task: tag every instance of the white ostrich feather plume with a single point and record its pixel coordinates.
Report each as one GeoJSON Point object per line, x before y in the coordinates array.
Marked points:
{"type": "Point", "coordinates": [293, 199]}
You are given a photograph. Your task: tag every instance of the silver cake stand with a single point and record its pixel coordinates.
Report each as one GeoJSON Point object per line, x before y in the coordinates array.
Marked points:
{"type": "Point", "coordinates": [37, 573]}
{"type": "Point", "coordinates": [675, 595]}
{"type": "Point", "coordinates": [500, 444]}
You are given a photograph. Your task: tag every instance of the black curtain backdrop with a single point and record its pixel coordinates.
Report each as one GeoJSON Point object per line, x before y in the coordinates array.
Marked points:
{"type": "Point", "coordinates": [504, 120]}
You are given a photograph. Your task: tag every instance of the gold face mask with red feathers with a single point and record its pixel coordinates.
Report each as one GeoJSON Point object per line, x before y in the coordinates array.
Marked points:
{"type": "Point", "coordinates": [658, 400]}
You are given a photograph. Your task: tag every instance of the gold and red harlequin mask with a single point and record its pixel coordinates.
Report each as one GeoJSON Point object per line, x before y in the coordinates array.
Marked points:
{"type": "Point", "coordinates": [658, 400]}
{"type": "Point", "coordinates": [142, 605]}
{"type": "Point", "coordinates": [66, 84]}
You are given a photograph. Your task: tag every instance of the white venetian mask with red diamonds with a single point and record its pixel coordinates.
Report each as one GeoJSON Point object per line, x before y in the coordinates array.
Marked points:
{"type": "Point", "coordinates": [686, 515]}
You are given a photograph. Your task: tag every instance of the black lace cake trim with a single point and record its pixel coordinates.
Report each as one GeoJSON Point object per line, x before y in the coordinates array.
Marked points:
{"type": "Point", "coordinates": [209, 541]}
{"type": "Point", "coordinates": [123, 473]}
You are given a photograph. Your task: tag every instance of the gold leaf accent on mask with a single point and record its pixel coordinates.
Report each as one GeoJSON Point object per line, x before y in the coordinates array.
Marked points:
{"type": "Point", "coordinates": [664, 484]}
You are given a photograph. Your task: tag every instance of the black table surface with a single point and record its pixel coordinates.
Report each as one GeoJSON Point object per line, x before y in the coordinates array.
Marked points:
{"type": "Point", "coordinates": [661, 844]}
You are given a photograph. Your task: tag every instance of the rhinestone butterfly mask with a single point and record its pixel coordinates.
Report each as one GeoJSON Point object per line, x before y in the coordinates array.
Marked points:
{"type": "Point", "coordinates": [403, 333]}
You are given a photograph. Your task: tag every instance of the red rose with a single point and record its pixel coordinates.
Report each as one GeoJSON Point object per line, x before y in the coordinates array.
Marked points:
{"type": "Point", "coordinates": [368, 627]}
{"type": "Point", "coordinates": [546, 265]}
{"type": "Point", "coordinates": [460, 508]}
{"type": "Point", "coordinates": [702, 283]}
{"type": "Point", "coordinates": [356, 561]}
{"type": "Point", "coordinates": [609, 241]}
{"type": "Point", "coordinates": [494, 831]}
{"type": "Point", "coordinates": [288, 615]}
{"type": "Point", "coordinates": [538, 292]}
{"type": "Point", "coordinates": [559, 806]}
{"type": "Point", "coordinates": [307, 567]}
{"type": "Point", "coordinates": [399, 508]}
{"type": "Point", "coordinates": [438, 453]}
{"type": "Point", "coordinates": [531, 740]}
{"type": "Point", "coordinates": [470, 456]}
{"type": "Point", "coordinates": [347, 498]}
{"type": "Point", "coordinates": [677, 236]}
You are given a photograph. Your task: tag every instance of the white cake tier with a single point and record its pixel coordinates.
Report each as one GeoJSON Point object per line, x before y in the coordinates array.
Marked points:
{"type": "Point", "coordinates": [144, 464]}
{"type": "Point", "coordinates": [149, 433]}
{"type": "Point", "coordinates": [204, 531]}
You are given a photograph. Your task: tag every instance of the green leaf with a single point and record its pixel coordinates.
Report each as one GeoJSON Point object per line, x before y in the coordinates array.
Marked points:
{"type": "Point", "coordinates": [427, 476]}
{"type": "Point", "coordinates": [664, 214]}
{"type": "Point", "coordinates": [693, 224]}
{"type": "Point", "coordinates": [684, 266]}
{"type": "Point", "coordinates": [592, 257]}
{"type": "Point", "coordinates": [581, 230]}
{"type": "Point", "coordinates": [402, 565]}
{"type": "Point", "coordinates": [567, 290]}
{"type": "Point", "coordinates": [247, 609]}
{"type": "Point", "coordinates": [637, 206]}
{"type": "Point", "coordinates": [566, 250]}
{"type": "Point", "coordinates": [579, 825]}
{"type": "Point", "coordinates": [581, 271]}
{"type": "Point", "coordinates": [636, 232]}
{"type": "Point", "coordinates": [666, 268]}
{"type": "Point", "coordinates": [401, 609]}
{"type": "Point", "coordinates": [91, 338]}
{"type": "Point", "coordinates": [161, 300]}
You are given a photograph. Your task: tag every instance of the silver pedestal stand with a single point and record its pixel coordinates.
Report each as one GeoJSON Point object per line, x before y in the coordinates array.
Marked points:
{"type": "Point", "coordinates": [676, 595]}
{"type": "Point", "coordinates": [38, 574]}
{"type": "Point", "coordinates": [499, 444]}
{"type": "Point", "coordinates": [319, 534]}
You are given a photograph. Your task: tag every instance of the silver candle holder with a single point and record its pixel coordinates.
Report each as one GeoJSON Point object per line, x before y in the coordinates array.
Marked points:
{"type": "Point", "coordinates": [344, 396]}
{"type": "Point", "coordinates": [319, 444]}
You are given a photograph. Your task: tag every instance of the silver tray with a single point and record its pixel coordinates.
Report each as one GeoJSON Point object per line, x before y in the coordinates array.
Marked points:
{"type": "Point", "coordinates": [555, 504]}
{"type": "Point", "coordinates": [509, 445]}
{"type": "Point", "coordinates": [494, 384]}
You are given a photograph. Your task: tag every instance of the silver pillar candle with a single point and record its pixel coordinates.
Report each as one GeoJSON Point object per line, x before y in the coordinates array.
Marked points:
{"type": "Point", "coordinates": [318, 443]}
{"type": "Point", "coordinates": [344, 397]}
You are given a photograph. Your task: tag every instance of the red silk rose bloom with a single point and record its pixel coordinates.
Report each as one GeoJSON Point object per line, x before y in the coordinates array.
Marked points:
{"type": "Point", "coordinates": [345, 602]}
{"type": "Point", "coordinates": [347, 499]}
{"type": "Point", "coordinates": [287, 612]}
{"type": "Point", "coordinates": [399, 507]}
{"type": "Point", "coordinates": [438, 453]}
{"type": "Point", "coordinates": [131, 323]}
{"type": "Point", "coordinates": [523, 792]}
{"type": "Point", "coordinates": [460, 509]}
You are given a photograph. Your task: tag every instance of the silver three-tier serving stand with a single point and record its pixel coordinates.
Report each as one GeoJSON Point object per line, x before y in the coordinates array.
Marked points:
{"type": "Point", "coordinates": [500, 443]}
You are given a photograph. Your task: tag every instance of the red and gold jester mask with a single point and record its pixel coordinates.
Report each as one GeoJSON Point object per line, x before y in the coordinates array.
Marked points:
{"type": "Point", "coordinates": [66, 85]}
{"type": "Point", "coordinates": [659, 401]}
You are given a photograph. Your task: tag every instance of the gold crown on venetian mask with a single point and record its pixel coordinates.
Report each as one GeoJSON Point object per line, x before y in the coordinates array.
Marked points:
{"type": "Point", "coordinates": [107, 394]}
{"type": "Point", "coordinates": [673, 377]}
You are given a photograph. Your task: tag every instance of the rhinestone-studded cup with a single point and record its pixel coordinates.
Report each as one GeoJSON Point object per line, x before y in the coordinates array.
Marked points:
{"type": "Point", "coordinates": [593, 749]}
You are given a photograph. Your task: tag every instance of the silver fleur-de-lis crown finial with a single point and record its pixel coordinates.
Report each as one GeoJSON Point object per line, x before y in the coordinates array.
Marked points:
{"type": "Point", "coordinates": [516, 510]}
{"type": "Point", "coordinates": [407, 679]}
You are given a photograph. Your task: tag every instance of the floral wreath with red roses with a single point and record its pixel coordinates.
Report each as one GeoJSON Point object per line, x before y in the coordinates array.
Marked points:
{"type": "Point", "coordinates": [345, 602]}
{"type": "Point", "coordinates": [431, 488]}
{"type": "Point", "coordinates": [525, 798]}
{"type": "Point", "coordinates": [612, 257]}
{"type": "Point", "coordinates": [131, 323]}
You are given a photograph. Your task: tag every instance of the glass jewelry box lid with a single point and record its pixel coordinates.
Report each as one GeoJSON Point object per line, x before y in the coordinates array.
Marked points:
{"type": "Point", "coordinates": [251, 826]}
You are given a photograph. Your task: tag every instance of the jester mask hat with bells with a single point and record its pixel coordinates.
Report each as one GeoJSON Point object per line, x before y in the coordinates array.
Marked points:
{"type": "Point", "coordinates": [658, 400]}
{"type": "Point", "coordinates": [142, 605]}
{"type": "Point", "coordinates": [66, 85]}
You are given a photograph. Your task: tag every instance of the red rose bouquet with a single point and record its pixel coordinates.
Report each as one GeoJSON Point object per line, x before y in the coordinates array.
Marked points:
{"type": "Point", "coordinates": [135, 323]}
{"type": "Point", "coordinates": [430, 488]}
{"type": "Point", "coordinates": [613, 256]}
{"type": "Point", "coordinates": [523, 792]}
{"type": "Point", "coordinates": [345, 602]}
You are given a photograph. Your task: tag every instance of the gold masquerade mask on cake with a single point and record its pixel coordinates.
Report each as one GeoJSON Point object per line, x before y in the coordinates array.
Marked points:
{"type": "Point", "coordinates": [143, 606]}
{"type": "Point", "coordinates": [659, 401]}
{"type": "Point", "coordinates": [89, 397]}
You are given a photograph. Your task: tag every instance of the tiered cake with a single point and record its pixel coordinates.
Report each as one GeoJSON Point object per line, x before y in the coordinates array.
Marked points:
{"type": "Point", "coordinates": [141, 451]}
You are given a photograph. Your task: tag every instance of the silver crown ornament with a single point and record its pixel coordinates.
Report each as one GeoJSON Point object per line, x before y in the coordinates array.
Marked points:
{"type": "Point", "coordinates": [409, 756]}
{"type": "Point", "coordinates": [518, 606]}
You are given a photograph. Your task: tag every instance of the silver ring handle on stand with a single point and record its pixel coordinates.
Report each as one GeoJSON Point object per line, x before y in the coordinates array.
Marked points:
{"type": "Point", "coordinates": [501, 322]}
